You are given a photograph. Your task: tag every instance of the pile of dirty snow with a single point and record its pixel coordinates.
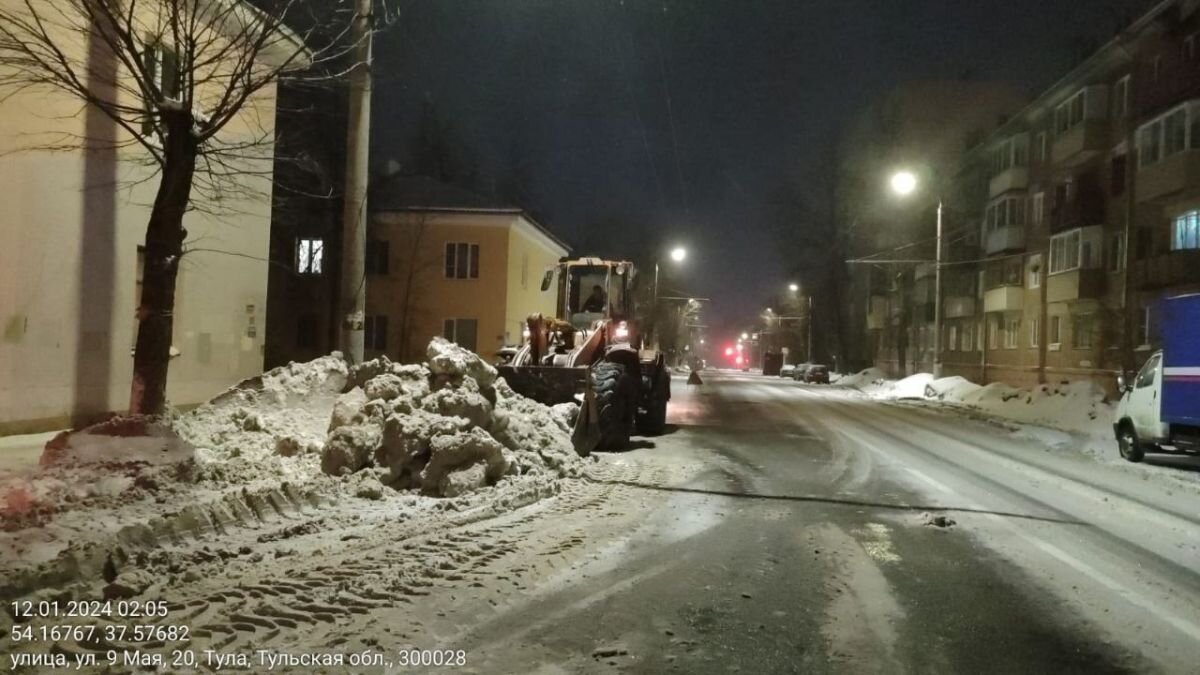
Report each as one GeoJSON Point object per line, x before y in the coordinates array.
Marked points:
{"type": "Point", "coordinates": [445, 428]}
{"type": "Point", "coordinates": [310, 435]}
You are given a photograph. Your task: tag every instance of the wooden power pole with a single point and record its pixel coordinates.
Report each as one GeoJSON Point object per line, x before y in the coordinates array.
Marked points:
{"type": "Point", "coordinates": [353, 293]}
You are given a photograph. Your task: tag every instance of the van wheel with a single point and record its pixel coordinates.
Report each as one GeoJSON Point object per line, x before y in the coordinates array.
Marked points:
{"type": "Point", "coordinates": [1131, 447]}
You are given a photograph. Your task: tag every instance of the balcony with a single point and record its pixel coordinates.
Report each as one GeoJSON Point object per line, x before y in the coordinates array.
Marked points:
{"type": "Point", "coordinates": [959, 306]}
{"type": "Point", "coordinates": [877, 312]}
{"type": "Point", "coordinates": [1169, 176]}
{"type": "Point", "coordinates": [1009, 238]}
{"type": "Point", "coordinates": [1075, 285]}
{"type": "Point", "coordinates": [1004, 299]}
{"type": "Point", "coordinates": [1014, 178]}
{"type": "Point", "coordinates": [1177, 268]}
{"type": "Point", "coordinates": [1080, 143]}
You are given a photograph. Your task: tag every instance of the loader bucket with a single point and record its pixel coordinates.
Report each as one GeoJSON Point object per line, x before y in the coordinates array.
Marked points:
{"type": "Point", "coordinates": [553, 385]}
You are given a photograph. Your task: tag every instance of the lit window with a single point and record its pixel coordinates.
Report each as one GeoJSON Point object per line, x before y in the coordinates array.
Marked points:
{"type": "Point", "coordinates": [310, 254]}
{"type": "Point", "coordinates": [1012, 329]}
{"type": "Point", "coordinates": [1185, 232]}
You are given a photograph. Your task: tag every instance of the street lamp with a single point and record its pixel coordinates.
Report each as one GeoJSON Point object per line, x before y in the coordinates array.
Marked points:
{"type": "Point", "coordinates": [904, 183]}
{"type": "Point", "coordinates": [745, 336]}
{"type": "Point", "coordinates": [794, 288]}
{"type": "Point", "coordinates": [678, 255]}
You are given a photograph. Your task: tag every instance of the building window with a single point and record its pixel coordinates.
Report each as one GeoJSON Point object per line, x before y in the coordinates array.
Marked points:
{"type": "Point", "coordinates": [1081, 331]}
{"type": "Point", "coordinates": [1185, 232]}
{"type": "Point", "coordinates": [162, 67]}
{"type": "Point", "coordinates": [1037, 208]}
{"type": "Point", "coordinates": [462, 332]}
{"type": "Point", "coordinates": [993, 332]}
{"type": "Point", "coordinates": [1035, 271]}
{"type": "Point", "coordinates": [1012, 329]}
{"type": "Point", "coordinates": [1012, 152]}
{"type": "Point", "coordinates": [1118, 174]}
{"type": "Point", "coordinates": [1121, 97]}
{"type": "Point", "coordinates": [1158, 67]}
{"type": "Point", "coordinates": [306, 332]}
{"type": "Point", "coordinates": [310, 254]}
{"type": "Point", "coordinates": [968, 336]}
{"type": "Point", "coordinates": [376, 333]}
{"type": "Point", "coordinates": [1144, 328]}
{"type": "Point", "coordinates": [377, 257]}
{"type": "Point", "coordinates": [979, 338]}
{"type": "Point", "coordinates": [1070, 113]}
{"type": "Point", "coordinates": [1005, 212]}
{"type": "Point", "coordinates": [1116, 253]}
{"type": "Point", "coordinates": [952, 339]}
{"type": "Point", "coordinates": [1173, 132]}
{"type": "Point", "coordinates": [1035, 332]}
{"type": "Point", "coordinates": [1054, 338]}
{"type": "Point", "coordinates": [1076, 249]}
{"type": "Point", "coordinates": [462, 261]}
{"type": "Point", "coordinates": [1188, 52]}
{"type": "Point", "coordinates": [1043, 147]}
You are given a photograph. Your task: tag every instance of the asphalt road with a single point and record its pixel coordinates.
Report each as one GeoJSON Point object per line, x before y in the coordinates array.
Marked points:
{"type": "Point", "coordinates": [802, 542]}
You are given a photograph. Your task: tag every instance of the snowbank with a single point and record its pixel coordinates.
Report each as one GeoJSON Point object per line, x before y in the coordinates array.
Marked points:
{"type": "Point", "coordinates": [867, 377]}
{"type": "Point", "coordinates": [296, 438]}
{"type": "Point", "coordinates": [1077, 407]}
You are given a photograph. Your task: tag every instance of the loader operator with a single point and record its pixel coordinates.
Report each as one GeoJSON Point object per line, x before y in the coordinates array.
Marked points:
{"type": "Point", "coordinates": [596, 301]}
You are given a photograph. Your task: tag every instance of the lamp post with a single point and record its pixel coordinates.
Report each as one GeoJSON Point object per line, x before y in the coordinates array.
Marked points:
{"type": "Point", "coordinates": [904, 183]}
{"type": "Point", "coordinates": [678, 255]}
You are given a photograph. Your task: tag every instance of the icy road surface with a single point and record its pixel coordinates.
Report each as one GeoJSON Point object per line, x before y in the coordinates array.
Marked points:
{"type": "Point", "coordinates": [777, 528]}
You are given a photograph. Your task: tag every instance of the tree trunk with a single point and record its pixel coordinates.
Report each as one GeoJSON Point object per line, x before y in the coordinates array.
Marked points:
{"type": "Point", "coordinates": [163, 248]}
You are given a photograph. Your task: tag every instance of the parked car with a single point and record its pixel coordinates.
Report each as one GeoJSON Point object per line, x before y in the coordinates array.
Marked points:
{"type": "Point", "coordinates": [817, 374]}
{"type": "Point", "coordinates": [786, 370]}
{"type": "Point", "coordinates": [1159, 409]}
{"type": "Point", "coordinates": [799, 371]}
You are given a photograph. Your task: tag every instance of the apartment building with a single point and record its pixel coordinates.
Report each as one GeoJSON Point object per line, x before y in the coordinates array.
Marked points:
{"type": "Point", "coordinates": [441, 261]}
{"type": "Point", "coordinates": [1090, 214]}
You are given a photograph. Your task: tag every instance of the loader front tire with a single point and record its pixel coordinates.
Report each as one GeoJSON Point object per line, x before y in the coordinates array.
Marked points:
{"type": "Point", "coordinates": [616, 402]}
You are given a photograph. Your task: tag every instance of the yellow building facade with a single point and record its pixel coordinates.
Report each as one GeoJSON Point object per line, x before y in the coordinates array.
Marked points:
{"type": "Point", "coordinates": [471, 275]}
{"type": "Point", "coordinates": [74, 221]}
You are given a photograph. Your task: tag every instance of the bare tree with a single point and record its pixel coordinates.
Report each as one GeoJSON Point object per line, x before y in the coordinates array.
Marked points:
{"type": "Point", "coordinates": [180, 80]}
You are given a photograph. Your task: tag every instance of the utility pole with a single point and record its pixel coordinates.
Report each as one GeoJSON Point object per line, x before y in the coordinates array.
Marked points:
{"type": "Point", "coordinates": [937, 299]}
{"type": "Point", "coordinates": [353, 294]}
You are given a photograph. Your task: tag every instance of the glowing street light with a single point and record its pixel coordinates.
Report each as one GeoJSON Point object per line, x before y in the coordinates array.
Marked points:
{"type": "Point", "coordinates": [678, 254]}
{"type": "Point", "coordinates": [745, 336]}
{"type": "Point", "coordinates": [904, 183]}
{"type": "Point", "coordinates": [794, 287]}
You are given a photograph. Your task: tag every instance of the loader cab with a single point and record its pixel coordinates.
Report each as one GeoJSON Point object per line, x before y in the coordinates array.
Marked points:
{"type": "Point", "coordinates": [591, 290]}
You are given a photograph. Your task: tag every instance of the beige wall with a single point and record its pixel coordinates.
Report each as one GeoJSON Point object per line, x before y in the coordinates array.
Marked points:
{"type": "Point", "coordinates": [68, 269]}
{"type": "Point", "coordinates": [530, 253]}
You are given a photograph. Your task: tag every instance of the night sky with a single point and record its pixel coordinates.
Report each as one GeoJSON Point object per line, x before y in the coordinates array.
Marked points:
{"type": "Point", "coordinates": [651, 123]}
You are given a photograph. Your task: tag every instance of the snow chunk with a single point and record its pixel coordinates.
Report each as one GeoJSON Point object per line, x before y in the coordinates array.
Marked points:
{"type": "Point", "coordinates": [447, 358]}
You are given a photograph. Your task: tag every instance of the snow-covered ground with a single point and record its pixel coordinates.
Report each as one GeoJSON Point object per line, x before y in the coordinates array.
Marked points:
{"type": "Point", "coordinates": [110, 507]}
{"type": "Point", "coordinates": [1052, 413]}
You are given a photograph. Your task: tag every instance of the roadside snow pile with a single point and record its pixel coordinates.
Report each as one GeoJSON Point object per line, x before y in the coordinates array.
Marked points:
{"type": "Point", "coordinates": [446, 428]}
{"type": "Point", "coordinates": [1079, 407]}
{"type": "Point", "coordinates": [862, 379]}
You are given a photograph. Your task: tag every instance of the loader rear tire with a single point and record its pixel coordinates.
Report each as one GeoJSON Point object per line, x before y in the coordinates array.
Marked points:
{"type": "Point", "coordinates": [653, 422]}
{"type": "Point", "coordinates": [616, 401]}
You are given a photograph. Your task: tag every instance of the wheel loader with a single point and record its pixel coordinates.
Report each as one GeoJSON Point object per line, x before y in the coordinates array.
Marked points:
{"type": "Point", "coordinates": [592, 351]}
